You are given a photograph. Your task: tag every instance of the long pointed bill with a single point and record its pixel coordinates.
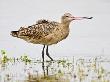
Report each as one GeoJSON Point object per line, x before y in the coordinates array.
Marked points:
{"type": "Point", "coordinates": [80, 18]}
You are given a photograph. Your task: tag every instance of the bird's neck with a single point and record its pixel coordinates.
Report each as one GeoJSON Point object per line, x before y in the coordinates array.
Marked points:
{"type": "Point", "coordinates": [66, 25]}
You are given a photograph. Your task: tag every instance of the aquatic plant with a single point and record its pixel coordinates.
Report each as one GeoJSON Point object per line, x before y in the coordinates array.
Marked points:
{"type": "Point", "coordinates": [25, 59]}
{"type": "Point", "coordinates": [4, 59]}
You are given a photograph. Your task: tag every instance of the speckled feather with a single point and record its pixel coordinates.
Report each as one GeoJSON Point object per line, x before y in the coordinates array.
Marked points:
{"type": "Point", "coordinates": [41, 29]}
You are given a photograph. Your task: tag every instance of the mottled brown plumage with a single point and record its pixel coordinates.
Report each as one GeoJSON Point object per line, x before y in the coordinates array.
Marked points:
{"type": "Point", "coordinates": [46, 32]}
{"type": "Point", "coordinates": [38, 32]}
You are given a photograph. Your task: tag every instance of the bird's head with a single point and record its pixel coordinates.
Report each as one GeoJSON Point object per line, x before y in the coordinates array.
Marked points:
{"type": "Point", "coordinates": [67, 18]}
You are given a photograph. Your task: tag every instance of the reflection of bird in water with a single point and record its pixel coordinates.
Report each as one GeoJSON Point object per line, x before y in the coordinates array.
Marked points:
{"type": "Point", "coordinates": [47, 32]}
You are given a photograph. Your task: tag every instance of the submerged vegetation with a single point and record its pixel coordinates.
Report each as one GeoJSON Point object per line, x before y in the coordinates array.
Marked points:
{"type": "Point", "coordinates": [66, 69]}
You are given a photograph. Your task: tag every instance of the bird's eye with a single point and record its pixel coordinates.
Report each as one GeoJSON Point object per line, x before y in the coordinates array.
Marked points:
{"type": "Point", "coordinates": [66, 16]}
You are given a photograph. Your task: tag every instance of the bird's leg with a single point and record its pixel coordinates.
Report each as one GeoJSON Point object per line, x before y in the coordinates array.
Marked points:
{"type": "Point", "coordinates": [43, 67]}
{"type": "Point", "coordinates": [43, 53]}
{"type": "Point", "coordinates": [47, 53]}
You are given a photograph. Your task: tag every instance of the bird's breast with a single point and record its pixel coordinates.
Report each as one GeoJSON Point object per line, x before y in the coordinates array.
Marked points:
{"type": "Point", "coordinates": [60, 35]}
{"type": "Point", "coordinates": [63, 34]}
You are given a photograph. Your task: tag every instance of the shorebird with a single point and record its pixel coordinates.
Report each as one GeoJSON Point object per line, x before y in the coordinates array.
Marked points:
{"type": "Point", "coordinates": [47, 32]}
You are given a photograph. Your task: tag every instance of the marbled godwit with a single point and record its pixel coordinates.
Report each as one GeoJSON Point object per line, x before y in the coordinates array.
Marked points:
{"type": "Point", "coordinates": [47, 32]}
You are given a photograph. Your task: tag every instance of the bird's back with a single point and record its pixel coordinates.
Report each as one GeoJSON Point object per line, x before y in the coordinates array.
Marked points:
{"type": "Point", "coordinates": [38, 32]}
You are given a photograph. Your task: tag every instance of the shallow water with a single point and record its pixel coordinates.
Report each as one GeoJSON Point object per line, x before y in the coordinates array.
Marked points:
{"type": "Point", "coordinates": [72, 69]}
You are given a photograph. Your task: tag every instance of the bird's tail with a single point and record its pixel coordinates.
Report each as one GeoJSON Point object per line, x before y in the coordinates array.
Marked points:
{"type": "Point", "coordinates": [14, 33]}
